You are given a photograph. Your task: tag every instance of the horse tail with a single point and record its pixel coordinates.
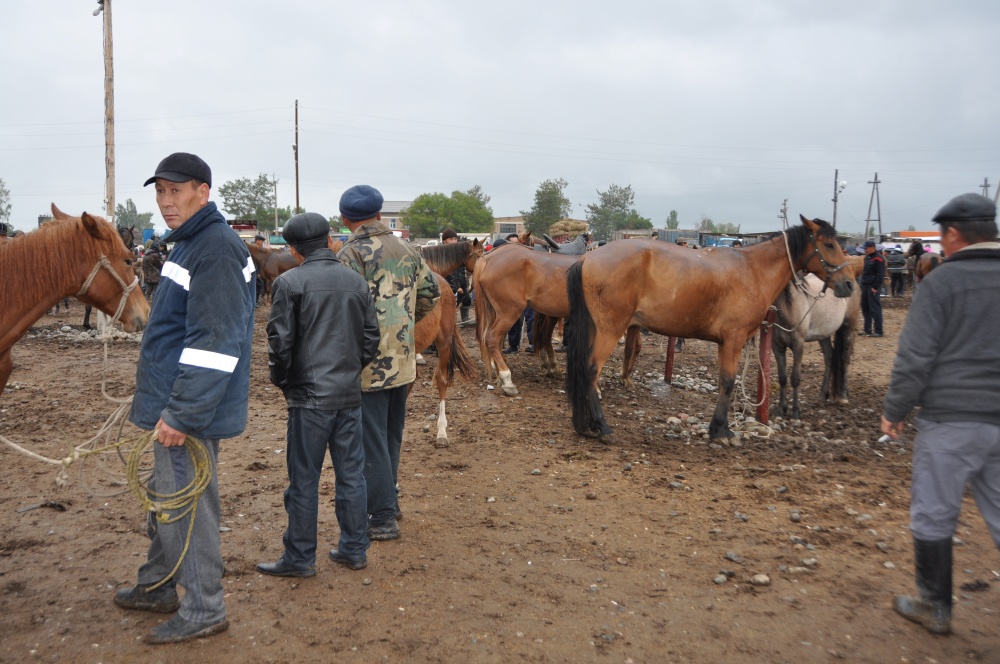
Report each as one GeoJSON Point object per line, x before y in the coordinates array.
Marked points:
{"type": "Point", "coordinates": [580, 369]}
{"type": "Point", "coordinates": [485, 315]}
{"type": "Point", "coordinates": [461, 360]}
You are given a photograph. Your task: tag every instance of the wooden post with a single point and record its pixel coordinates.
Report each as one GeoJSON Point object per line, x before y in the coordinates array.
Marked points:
{"type": "Point", "coordinates": [109, 117]}
{"type": "Point", "coordinates": [764, 377]}
{"type": "Point", "coordinates": [668, 369]}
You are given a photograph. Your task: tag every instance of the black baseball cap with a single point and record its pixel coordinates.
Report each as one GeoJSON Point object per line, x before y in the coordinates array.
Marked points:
{"type": "Point", "coordinates": [182, 167]}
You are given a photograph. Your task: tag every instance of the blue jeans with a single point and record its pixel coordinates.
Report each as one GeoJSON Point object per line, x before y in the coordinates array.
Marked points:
{"type": "Point", "coordinates": [383, 413]}
{"type": "Point", "coordinates": [527, 319]}
{"type": "Point", "coordinates": [310, 433]}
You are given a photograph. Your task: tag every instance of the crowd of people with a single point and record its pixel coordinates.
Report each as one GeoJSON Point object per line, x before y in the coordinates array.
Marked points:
{"type": "Point", "coordinates": [341, 349]}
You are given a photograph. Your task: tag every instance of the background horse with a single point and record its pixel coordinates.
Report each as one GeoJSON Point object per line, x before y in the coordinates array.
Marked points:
{"type": "Point", "coordinates": [270, 263]}
{"type": "Point", "coordinates": [925, 260]}
{"type": "Point", "coordinates": [711, 294]}
{"type": "Point", "coordinates": [804, 315]}
{"type": "Point", "coordinates": [508, 280]}
{"type": "Point", "coordinates": [440, 328]}
{"type": "Point", "coordinates": [81, 256]}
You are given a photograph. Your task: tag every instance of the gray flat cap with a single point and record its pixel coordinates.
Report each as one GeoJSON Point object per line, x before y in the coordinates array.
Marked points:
{"type": "Point", "coordinates": [967, 207]}
{"type": "Point", "coordinates": [305, 227]}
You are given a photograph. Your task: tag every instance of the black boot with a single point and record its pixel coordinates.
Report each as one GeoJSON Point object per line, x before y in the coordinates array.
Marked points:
{"type": "Point", "coordinates": [933, 608]}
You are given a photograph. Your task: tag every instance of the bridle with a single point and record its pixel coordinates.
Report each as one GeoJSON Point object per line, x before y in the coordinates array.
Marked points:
{"type": "Point", "coordinates": [827, 267]}
{"type": "Point", "coordinates": [126, 288]}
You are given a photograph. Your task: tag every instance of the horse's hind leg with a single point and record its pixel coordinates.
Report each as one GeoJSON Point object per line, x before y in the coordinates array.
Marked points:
{"type": "Point", "coordinates": [827, 347]}
{"type": "Point", "coordinates": [443, 344]}
{"type": "Point", "coordinates": [780, 361]}
{"type": "Point", "coordinates": [6, 368]}
{"type": "Point", "coordinates": [729, 356]}
{"type": "Point", "coordinates": [494, 339]}
{"type": "Point", "coordinates": [633, 344]}
{"type": "Point", "coordinates": [797, 348]}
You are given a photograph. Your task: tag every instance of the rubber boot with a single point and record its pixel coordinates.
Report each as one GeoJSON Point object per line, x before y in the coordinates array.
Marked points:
{"type": "Point", "coordinates": [933, 608]}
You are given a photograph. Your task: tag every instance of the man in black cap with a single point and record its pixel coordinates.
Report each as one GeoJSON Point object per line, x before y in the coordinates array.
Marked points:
{"type": "Point", "coordinates": [871, 284]}
{"type": "Point", "coordinates": [193, 379]}
{"type": "Point", "coordinates": [321, 332]}
{"type": "Point", "coordinates": [948, 363]}
{"type": "Point", "coordinates": [458, 279]}
{"type": "Point", "coordinates": [404, 290]}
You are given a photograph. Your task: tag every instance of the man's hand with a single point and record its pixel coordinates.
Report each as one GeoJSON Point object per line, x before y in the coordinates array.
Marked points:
{"type": "Point", "coordinates": [892, 428]}
{"type": "Point", "coordinates": [169, 436]}
{"type": "Point", "coordinates": [461, 291]}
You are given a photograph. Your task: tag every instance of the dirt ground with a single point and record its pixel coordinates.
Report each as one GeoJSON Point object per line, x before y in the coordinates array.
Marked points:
{"type": "Point", "coordinates": [521, 541]}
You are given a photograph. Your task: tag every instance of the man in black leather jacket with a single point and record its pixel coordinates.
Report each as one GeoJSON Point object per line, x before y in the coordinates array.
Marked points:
{"type": "Point", "coordinates": [321, 333]}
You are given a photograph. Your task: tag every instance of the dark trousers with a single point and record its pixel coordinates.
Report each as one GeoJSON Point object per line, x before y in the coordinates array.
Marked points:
{"type": "Point", "coordinates": [871, 309]}
{"type": "Point", "coordinates": [527, 319]}
{"type": "Point", "coordinates": [383, 414]}
{"type": "Point", "coordinates": [310, 434]}
{"type": "Point", "coordinates": [897, 282]}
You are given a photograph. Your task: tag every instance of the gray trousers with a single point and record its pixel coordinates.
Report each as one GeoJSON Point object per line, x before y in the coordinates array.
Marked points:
{"type": "Point", "coordinates": [201, 572]}
{"type": "Point", "coordinates": [946, 457]}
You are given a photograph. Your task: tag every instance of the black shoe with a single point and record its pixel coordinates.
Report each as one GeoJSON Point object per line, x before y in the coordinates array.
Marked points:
{"type": "Point", "coordinates": [530, 349]}
{"type": "Point", "coordinates": [178, 629]}
{"type": "Point", "coordinates": [339, 558]}
{"type": "Point", "coordinates": [384, 533]}
{"type": "Point", "coordinates": [875, 334]}
{"type": "Point", "coordinates": [281, 568]}
{"type": "Point", "coordinates": [509, 351]}
{"type": "Point", "coordinates": [561, 349]}
{"type": "Point", "coordinates": [162, 600]}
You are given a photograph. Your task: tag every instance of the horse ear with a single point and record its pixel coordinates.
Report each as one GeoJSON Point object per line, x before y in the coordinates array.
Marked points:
{"type": "Point", "coordinates": [809, 223]}
{"type": "Point", "coordinates": [57, 213]}
{"type": "Point", "coordinates": [92, 225]}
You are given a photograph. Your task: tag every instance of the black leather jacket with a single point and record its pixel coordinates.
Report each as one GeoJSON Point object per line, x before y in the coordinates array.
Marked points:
{"type": "Point", "coordinates": [321, 332]}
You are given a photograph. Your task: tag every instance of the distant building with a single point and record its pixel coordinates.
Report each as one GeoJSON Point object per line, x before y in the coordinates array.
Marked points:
{"type": "Point", "coordinates": [392, 216]}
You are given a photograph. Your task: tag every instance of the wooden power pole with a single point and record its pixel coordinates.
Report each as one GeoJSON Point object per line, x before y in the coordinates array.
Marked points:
{"type": "Point", "coordinates": [878, 207]}
{"type": "Point", "coordinates": [295, 149]}
{"type": "Point", "coordinates": [109, 112]}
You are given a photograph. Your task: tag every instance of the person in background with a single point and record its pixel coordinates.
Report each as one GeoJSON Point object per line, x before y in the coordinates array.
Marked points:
{"type": "Point", "coordinates": [948, 363]}
{"type": "Point", "coordinates": [896, 265]}
{"type": "Point", "coordinates": [404, 290]}
{"type": "Point", "coordinates": [321, 332]}
{"type": "Point", "coordinates": [871, 282]}
{"type": "Point", "coordinates": [458, 279]}
{"type": "Point", "coordinates": [193, 379]}
{"type": "Point", "coordinates": [152, 265]}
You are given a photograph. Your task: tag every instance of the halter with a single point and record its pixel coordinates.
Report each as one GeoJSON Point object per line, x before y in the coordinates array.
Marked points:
{"type": "Point", "coordinates": [126, 289]}
{"type": "Point", "coordinates": [830, 269]}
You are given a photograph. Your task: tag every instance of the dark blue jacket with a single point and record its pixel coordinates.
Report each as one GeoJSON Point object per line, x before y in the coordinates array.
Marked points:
{"type": "Point", "coordinates": [194, 364]}
{"type": "Point", "coordinates": [874, 273]}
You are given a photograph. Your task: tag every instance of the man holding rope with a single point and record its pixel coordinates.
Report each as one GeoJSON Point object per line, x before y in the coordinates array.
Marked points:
{"type": "Point", "coordinates": [193, 379]}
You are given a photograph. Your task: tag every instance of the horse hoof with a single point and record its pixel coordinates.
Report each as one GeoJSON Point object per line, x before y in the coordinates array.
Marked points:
{"type": "Point", "coordinates": [510, 391]}
{"type": "Point", "coordinates": [842, 402]}
{"type": "Point", "coordinates": [441, 443]}
{"type": "Point", "coordinates": [608, 439]}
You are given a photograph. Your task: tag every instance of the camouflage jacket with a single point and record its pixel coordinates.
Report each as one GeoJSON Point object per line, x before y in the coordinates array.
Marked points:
{"type": "Point", "coordinates": [404, 290]}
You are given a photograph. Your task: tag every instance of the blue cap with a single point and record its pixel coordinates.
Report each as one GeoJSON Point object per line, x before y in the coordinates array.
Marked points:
{"type": "Point", "coordinates": [360, 202]}
{"type": "Point", "coordinates": [868, 243]}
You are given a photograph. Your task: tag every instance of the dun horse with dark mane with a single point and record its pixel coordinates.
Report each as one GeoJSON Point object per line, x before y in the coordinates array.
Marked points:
{"type": "Point", "coordinates": [718, 295]}
{"type": "Point", "coordinates": [80, 256]}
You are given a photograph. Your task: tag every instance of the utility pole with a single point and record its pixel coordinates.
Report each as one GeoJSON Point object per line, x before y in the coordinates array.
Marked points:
{"type": "Point", "coordinates": [295, 149]}
{"type": "Point", "coordinates": [109, 112]}
{"type": "Point", "coordinates": [275, 180]}
{"type": "Point", "coordinates": [783, 215]}
{"type": "Point", "coordinates": [837, 188]}
{"type": "Point", "coordinates": [985, 186]}
{"type": "Point", "coordinates": [878, 203]}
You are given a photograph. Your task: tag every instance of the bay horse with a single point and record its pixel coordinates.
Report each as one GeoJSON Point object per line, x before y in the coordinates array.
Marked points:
{"type": "Point", "coordinates": [270, 263]}
{"type": "Point", "coordinates": [440, 328]}
{"type": "Point", "coordinates": [925, 261]}
{"type": "Point", "coordinates": [804, 315]}
{"type": "Point", "coordinates": [713, 294]}
{"type": "Point", "coordinates": [80, 256]}
{"type": "Point", "coordinates": [508, 280]}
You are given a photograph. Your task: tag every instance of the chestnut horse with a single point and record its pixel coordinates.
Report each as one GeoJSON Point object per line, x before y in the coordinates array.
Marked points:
{"type": "Point", "coordinates": [510, 279]}
{"type": "Point", "coordinates": [439, 326]}
{"type": "Point", "coordinates": [272, 262]}
{"type": "Point", "coordinates": [80, 256]}
{"type": "Point", "coordinates": [924, 261]}
{"type": "Point", "coordinates": [713, 294]}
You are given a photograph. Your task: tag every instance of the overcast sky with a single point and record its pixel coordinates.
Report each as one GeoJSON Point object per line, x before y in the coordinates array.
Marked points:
{"type": "Point", "coordinates": [715, 108]}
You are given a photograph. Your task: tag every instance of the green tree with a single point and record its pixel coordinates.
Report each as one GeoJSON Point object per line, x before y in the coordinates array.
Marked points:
{"type": "Point", "coordinates": [465, 211]}
{"type": "Point", "coordinates": [5, 206]}
{"type": "Point", "coordinates": [911, 227]}
{"type": "Point", "coordinates": [550, 206]}
{"type": "Point", "coordinates": [615, 211]}
{"type": "Point", "coordinates": [127, 216]}
{"type": "Point", "coordinates": [251, 199]}
{"type": "Point", "coordinates": [709, 226]}
{"type": "Point", "coordinates": [672, 221]}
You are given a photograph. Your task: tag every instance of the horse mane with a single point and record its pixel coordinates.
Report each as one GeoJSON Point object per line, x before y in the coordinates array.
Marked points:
{"type": "Point", "coordinates": [439, 256]}
{"type": "Point", "coordinates": [800, 237]}
{"type": "Point", "coordinates": [916, 249]}
{"type": "Point", "coordinates": [49, 257]}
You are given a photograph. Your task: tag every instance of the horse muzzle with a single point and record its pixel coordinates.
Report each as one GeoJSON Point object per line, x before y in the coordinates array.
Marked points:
{"type": "Point", "coordinates": [844, 288]}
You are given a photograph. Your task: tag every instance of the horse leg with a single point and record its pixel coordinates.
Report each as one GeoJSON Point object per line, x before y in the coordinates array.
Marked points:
{"type": "Point", "coordinates": [633, 344]}
{"type": "Point", "coordinates": [494, 340]}
{"type": "Point", "coordinates": [797, 348]}
{"type": "Point", "coordinates": [86, 317]}
{"type": "Point", "coordinates": [778, 351]}
{"type": "Point", "coordinates": [443, 344]}
{"type": "Point", "coordinates": [827, 347]}
{"type": "Point", "coordinates": [729, 358]}
{"type": "Point", "coordinates": [544, 326]}
{"type": "Point", "coordinates": [6, 368]}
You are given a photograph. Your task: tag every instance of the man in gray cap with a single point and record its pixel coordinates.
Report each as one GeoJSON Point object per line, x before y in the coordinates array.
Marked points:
{"type": "Point", "coordinates": [871, 284]}
{"type": "Point", "coordinates": [405, 291]}
{"type": "Point", "coordinates": [948, 363]}
{"type": "Point", "coordinates": [321, 332]}
{"type": "Point", "coordinates": [193, 379]}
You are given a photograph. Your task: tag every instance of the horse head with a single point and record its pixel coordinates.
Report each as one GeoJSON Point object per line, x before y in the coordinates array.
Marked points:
{"type": "Point", "coordinates": [819, 253]}
{"type": "Point", "coordinates": [915, 250]}
{"type": "Point", "coordinates": [476, 251]}
{"type": "Point", "coordinates": [104, 266]}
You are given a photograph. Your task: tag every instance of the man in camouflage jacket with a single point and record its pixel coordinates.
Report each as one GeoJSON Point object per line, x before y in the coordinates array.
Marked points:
{"type": "Point", "coordinates": [404, 290]}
